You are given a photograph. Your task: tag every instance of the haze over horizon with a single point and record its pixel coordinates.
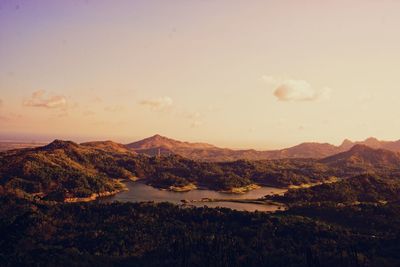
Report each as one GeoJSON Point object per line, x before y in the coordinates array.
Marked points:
{"type": "Point", "coordinates": [230, 73]}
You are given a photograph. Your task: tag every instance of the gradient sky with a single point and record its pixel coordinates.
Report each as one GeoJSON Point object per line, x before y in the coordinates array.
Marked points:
{"type": "Point", "coordinates": [241, 74]}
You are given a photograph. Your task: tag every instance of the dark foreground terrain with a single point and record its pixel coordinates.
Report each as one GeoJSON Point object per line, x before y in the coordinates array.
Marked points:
{"type": "Point", "coordinates": [353, 220]}
{"type": "Point", "coordinates": [129, 234]}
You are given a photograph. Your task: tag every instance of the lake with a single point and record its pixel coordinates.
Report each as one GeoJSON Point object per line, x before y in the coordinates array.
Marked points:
{"type": "Point", "coordinates": [140, 192]}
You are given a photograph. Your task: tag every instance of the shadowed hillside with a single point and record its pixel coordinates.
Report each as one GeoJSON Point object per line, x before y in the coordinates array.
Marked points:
{"type": "Point", "coordinates": [364, 156]}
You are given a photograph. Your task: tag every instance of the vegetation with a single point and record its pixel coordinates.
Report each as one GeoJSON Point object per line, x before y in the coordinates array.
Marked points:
{"type": "Point", "coordinates": [362, 188]}
{"type": "Point", "coordinates": [65, 170]}
{"type": "Point", "coordinates": [352, 221]}
{"type": "Point", "coordinates": [138, 234]}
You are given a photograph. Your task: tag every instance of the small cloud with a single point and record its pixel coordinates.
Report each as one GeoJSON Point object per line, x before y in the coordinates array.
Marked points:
{"type": "Point", "coordinates": [158, 104]}
{"type": "Point", "coordinates": [296, 90]}
{"type": "Point", "coordinates": [39, 99]}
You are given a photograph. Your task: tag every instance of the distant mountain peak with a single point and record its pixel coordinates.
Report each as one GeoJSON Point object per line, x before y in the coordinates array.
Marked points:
{"type": "Point", "coordinates": [372, 141]}
{"type": "Point", "coordinates": [364, 154]}
{"type": "Point", "coordinates": [61, 144]}
{"type": "Point", "coordinates": [159, 141]}
{"type": "Point", "coordinates": [346, 142]}
{"type": "Point", "coordinates": [158, 144]}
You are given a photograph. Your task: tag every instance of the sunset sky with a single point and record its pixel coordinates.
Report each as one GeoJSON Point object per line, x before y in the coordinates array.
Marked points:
{"type": "Point", "coordinates": [241, 74]}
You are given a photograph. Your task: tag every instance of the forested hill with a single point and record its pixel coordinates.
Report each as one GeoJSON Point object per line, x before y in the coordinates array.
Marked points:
{"type": "Point", "coordinates": [64, 169]}
{"type": "Point", "coordinates": [370, 175]}
{"type": "Point", "coordinates": [370, 188]}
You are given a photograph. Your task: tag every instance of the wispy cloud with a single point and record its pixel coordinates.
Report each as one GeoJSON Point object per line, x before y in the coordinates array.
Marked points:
{"type": "Point", "coordinates": [39, 99]}
{"type": "Point", "coordinates": [158, 104]}
{"type": "Point", "coordinates": [296, 90]}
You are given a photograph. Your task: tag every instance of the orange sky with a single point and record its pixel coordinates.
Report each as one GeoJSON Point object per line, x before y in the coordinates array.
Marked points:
{"type": "Point", "coordinates": [254, 74]}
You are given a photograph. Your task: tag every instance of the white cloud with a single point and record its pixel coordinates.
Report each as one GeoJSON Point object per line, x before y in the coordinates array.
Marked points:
{"type": "Point", "coordinates": [296, 90]}
{"type": "Point", "coordinates": [158, 104]}
{"type": "Point", "coordinates": [39, 99]}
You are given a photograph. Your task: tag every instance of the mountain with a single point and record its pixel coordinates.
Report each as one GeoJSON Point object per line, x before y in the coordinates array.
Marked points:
{"type": "Point", "coordinates": [205, 152]}
{"type": "Point", "coordinates": [308, 150]}
{"type": "Point", "coordinates": [201, 151]}
{"type": "Point", "coordinates": [157, 144]}
{"type": "Point", "coordinates": [373, 143]}
{"type": "Point", "coordinates": [157, 141]}
{"type": "Point", "coordinates": [362, 155]}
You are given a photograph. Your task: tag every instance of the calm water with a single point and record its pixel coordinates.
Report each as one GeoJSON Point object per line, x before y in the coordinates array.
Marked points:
{"type": "Point", "coordinates": [138, 192]}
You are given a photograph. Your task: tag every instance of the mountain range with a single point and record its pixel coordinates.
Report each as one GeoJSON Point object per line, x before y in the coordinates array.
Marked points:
{"type": "Point", "coordinates": [206, 152]}
{"type": "Point", "coordinates": [64, 169]}
{"type": "Point", "coordinates": [160, 145]}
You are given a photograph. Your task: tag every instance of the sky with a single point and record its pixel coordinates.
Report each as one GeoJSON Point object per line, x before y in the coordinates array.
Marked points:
{"type": "Point", "coordinates": [234, 73]}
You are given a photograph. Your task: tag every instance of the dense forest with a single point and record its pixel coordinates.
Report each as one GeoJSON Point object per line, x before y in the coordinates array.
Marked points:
{"type": "Point", "coordinates": [361, 188]}
{"type": "Point", "coordinates": [146, 234]}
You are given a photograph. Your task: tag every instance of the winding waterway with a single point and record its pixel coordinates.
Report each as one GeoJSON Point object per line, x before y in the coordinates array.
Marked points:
{"type": "Point", "coordinates": [140, 192]}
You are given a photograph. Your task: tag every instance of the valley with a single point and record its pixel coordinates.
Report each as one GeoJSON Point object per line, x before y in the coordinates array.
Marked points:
{"type": "Point", "coordinates": [107, 205]}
